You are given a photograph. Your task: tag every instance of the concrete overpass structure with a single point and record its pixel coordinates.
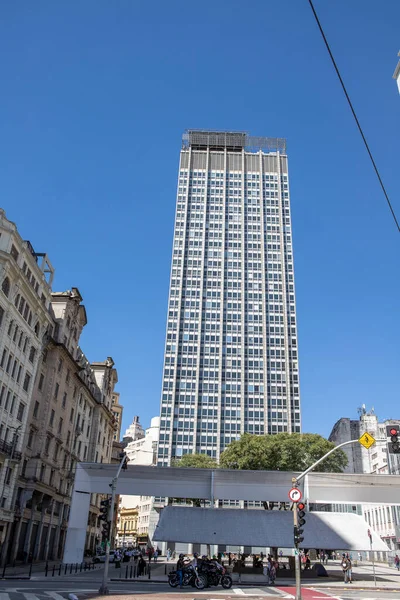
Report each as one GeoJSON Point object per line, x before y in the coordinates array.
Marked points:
{"type": "Point", "coordinates": [222, 484]}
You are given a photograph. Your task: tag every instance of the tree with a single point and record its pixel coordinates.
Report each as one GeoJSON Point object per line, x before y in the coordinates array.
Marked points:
{"type": "Point", "coordinates": [196, 461]}
{"type": "Point", "coordinates": [284, 452]}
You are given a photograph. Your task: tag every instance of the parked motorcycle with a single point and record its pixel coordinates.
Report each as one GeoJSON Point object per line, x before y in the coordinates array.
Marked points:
{"type": "Point", "coordinates": [216, 574]}
{"type": "Point", "coordinates": [190, 577]}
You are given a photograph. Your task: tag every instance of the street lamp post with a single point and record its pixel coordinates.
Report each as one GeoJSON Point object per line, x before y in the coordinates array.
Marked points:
{"type": "Point", "coordinates": [103, 590]}
{"type": "Point", "coordinates": [295, 482]}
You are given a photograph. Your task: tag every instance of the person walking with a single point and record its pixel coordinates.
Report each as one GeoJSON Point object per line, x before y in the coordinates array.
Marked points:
{"type": "Point", "coordinates": [346, 568]}
{"type": "Point", "coordinates": [168, 554]}
{"type": "Point", "coordinates": [155, 555]}
{"type": "Point", "coordinates": [397, 562]}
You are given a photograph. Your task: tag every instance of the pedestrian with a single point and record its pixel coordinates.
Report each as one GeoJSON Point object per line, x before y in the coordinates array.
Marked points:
{"type": "Point", "coordinates": [168, 554]}
{"type": "Point", "coordinates": [397, 562]}
{"type": "Point", "coordinates": [346, 568]}
{"type": "Point", "coordinates": [150, 554]}
{"type": "Point", "coordinates": [141, 566]}
{"type": "Point", "coordinates": [155, 555]}
{"type": "Point", "coordinates": [179, 568]}
{"type": "Point", "coordinates": [271, 572]}
{"type": "Point", "coordinates": [229, 558]}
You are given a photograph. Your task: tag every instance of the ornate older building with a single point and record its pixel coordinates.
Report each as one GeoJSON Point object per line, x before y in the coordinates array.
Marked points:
{"type": "Point", "coordinates": [25, 321]}
{"type": "Point", "coordinates": [55, 408]}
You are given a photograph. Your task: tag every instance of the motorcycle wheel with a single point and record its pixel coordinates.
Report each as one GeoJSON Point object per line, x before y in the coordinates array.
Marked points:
{"type": "Point", "coordinates": [226, 582]}
{"type": "Point", "coordinates": [173, 581]}
{"type": "Point", "coordinates": [200, 582]}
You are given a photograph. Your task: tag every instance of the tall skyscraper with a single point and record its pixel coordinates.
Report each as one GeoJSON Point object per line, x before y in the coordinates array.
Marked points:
{"type": "Point", "coordinates": [231, 362]}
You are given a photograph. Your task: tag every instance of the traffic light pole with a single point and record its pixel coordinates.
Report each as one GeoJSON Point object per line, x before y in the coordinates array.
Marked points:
{"type": "Point", "coordinates": [297, 565]}
{"type": "Point", "coordinates": [295, 482]}
{"type": "Point", "coordinates": [103, 590]}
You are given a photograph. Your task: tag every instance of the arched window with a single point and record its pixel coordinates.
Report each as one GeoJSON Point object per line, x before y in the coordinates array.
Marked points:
{"type": "Point", "coordinates": [5, 286]}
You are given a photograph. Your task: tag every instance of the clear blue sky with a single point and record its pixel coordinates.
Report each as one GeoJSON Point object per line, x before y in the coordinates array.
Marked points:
{"type": "Point", "coordinates": [95, 96]}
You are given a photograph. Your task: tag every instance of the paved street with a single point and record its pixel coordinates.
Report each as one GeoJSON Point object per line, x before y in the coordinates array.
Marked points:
{"type": "Point", "coordinates": [59, 590]}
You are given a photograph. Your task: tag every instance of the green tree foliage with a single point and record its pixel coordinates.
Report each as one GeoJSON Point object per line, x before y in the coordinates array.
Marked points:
{"type": "Point", "coordinates": [197, 461]}
{"type": "Point", "coordinates": [284, 452]}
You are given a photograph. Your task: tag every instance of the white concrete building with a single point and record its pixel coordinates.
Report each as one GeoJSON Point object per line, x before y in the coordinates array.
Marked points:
{"type": "Point", "coordinates": [25, 322]}
{"type": "Point", "coordinates": [143, 451]}
{"type": "Point", "coordinates": [135, 431]}
{"type": "Point", "coordinates": [231, 356]}
{"type": "Point", "coordinates": [385, 520]}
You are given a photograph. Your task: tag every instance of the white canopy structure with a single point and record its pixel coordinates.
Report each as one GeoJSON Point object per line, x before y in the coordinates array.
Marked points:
{"type": "Point", "coordinates": [223, 484]}
{"type": "Point", "coordinates": [264, 528]}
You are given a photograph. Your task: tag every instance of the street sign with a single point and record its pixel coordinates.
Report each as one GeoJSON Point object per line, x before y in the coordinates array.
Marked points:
{"type": "Point", "coordinates": [367, 440]}
{"type": "Point", "coordinates": [295, 495]}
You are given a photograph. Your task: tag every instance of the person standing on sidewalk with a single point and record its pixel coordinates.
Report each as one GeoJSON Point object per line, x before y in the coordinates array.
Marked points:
{"type": "Point", "coordinates": [397, 562]}
{"type": "Point", "coordinates": [346, 567]}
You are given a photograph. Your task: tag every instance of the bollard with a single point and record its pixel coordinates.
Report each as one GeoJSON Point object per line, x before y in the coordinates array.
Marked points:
{"type": "Point", "coordinates": [4, 571]}
{"type": "Point", "coordinates": [126, 572]}
{"type": "Point", "coordinates": [70, 569]}
{"type": "Point", "coordinates": [149, 570]}
{"type": "Point", "coordinates": [85, 567]}
{"type": "Point", "coordinates": [80, 570]}
{"type": "Point", "coordinates": [46, 569]}
{"type": "Point", "coordinates": [65, 570]}
{"type": "Point", "coordinates": [30, 570]}
{"type": "Point", "coordinates": [165, 570]}
{"type": "Point", "coordinates": [76, 567]}
{"type": "Point", "coordinates": [54, 568]}
{"type": "Point", "coordinates": [131, 571]}
{"type": "Point", "coordinates": [59, 570]}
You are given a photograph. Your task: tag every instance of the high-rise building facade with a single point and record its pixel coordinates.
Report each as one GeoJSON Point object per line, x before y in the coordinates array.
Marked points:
{"type": "Point", "coordinates": [231, 358]}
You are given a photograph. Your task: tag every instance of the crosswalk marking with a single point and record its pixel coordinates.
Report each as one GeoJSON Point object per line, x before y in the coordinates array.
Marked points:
{"type": "Point", "coordinates": [30, 596]}
{"type": "Point", "coordinates": [238, 591]}
{"type": "Point", "coordinates": [55, 596]}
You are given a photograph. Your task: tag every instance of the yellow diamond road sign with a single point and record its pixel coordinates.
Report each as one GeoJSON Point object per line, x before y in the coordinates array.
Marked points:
{"type": "Point", "coordinates": [367, 440]}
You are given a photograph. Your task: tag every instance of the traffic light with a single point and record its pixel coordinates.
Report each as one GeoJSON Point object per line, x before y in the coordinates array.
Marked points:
{"type": "Point", "coordinates": [105, 509]}
{"type": "Point", "coordinates": [393, 432]}
{"type": "Point", "coordinates": [298, 538]}
{"type": "Point", "coordinates": [105, 531]}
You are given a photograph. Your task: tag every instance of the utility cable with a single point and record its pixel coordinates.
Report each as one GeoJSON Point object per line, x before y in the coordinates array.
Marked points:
{"type": "Point", "coordinates": [355, 116]}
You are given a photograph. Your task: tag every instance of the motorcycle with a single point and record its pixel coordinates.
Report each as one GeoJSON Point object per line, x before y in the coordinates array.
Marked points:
{"type": "Point", "coordinates": [190, 576]}
{"type": "Point", "coordinates": [216, 575]}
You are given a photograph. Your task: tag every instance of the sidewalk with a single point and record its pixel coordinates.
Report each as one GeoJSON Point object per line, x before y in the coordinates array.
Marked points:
{"type": "Point", "coordinates": [387, 578]}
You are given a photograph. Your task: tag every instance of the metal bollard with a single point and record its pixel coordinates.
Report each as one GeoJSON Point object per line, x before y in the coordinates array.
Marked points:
{"type": "Point", "coordinates": [59, 570]}
{"type": "Point", "coordinates": [65, 570]}
{"type": "Point", "coordinates": [126, 572]}
{"type": "Point", "coordinates": [54, 568]}
{"type": "Point", "coordinates": [30, 570]}
{"type": "Point", "coordinates": [149, 569]}
{"type": "Point", "coordinates": [76, 567]}
{"type": "Point", "coordinates": [131, 572]}
{"type": "Point", "coordinates": [70, 569]}
{"type": "Point", "coordinates": [46, 569]}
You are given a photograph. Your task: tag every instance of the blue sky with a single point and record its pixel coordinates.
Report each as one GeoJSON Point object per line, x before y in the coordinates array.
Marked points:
{"type": "Point", "coordinates": [95, 97]}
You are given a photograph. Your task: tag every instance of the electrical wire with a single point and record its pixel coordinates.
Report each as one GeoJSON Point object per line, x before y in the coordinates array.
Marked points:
{"type": "Point", "coordinates": [354, 115]}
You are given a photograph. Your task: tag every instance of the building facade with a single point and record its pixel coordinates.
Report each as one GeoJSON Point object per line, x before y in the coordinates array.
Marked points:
{"type": "Point", "coordinates": [231, 356]}
{"type": "Point", "coordinates": [385, 520]}
{"type": "Point", "coordinates": [69, 420]}
{"type": "Point", "coordinates": [127, 527]}
{"type": "Point", "coordinates": [25, 319]}
{"type": "Point", "coordinates": [142, 451]}
{"type": "Point", "coordinates": [117, 410]}
{"type": "Point", "coordinates": [56, 408]}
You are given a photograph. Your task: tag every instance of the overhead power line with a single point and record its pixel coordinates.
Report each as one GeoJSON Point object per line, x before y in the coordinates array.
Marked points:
{"type": "Point", "coordinates": [355, 116]}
